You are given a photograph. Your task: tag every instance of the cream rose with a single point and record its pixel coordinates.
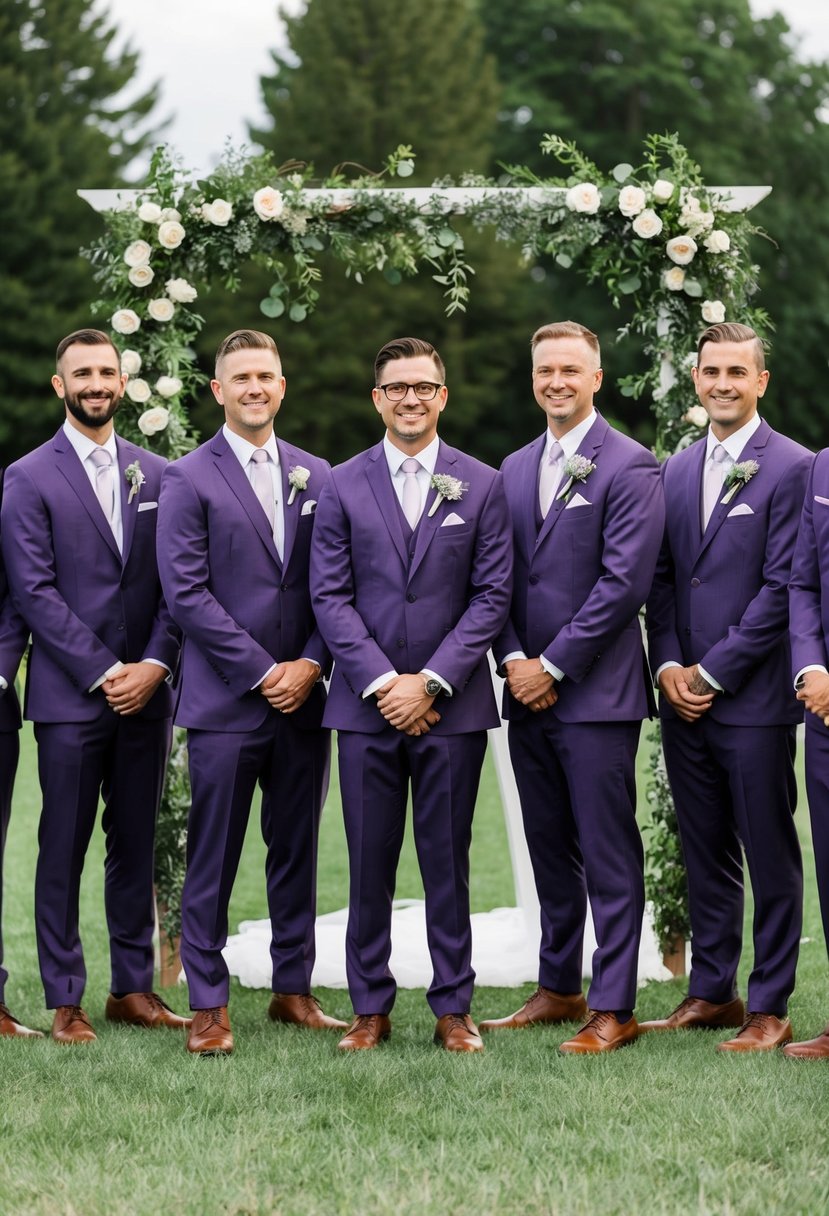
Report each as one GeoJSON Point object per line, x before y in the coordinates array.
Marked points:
{"type": "Point", "coordinates": [150, 213]}
{"type": "Point", "coordinates": [584, 197]}
{"type": "Point", "coordinates": [167, 386]}
{"type": "Point", "coordinates": [138, 253]}
{"type": "Point", "coordinates": [647, 224]}
{"type": "Point", "coordinates": [218, 212]}
{"type": "Point", "coordinates": [268, 203]}
{"type": "Point", "coordinates": [170, 213]}
{"type": "Point", "coordinates": [713, 311]}
{"type": "Point", "coordinates": [681, 249]}
{"type": "Point", "coordinates": [125, 321]}
{"type": "Point", "coordinates": [632, 200]}
{"type": "Point", "coordinates": [662, 190]}
{"type": "Point", "coordinates": [170, 234]}
{"type": "Point", "coordinates": [161, 309]}
{"type": "Point", "coordinates": [141, 276]}
{"type": "Point", "coordinates": [674, 278]}
{"type": "Point", "coordinates": [154, 420]}
{"type": "Point", "coordinates": [717, 241]}
{"type": "Point", "coordinates": [181, 291]}
{"type": "Point", "coordinates": [138, 391]}
{"type": "Point", "coordinates": [697, 414]}
{"type": "Point", "coordinates": [130, 362]}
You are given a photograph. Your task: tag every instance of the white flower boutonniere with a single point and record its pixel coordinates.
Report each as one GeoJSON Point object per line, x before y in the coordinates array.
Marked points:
{"type": "Point", "coordinates": [450, 488]}
{"type": "Point", "coordinates": [135, 477]}
{"type": "Point", "coordinates": [576, 468]}
{"type": "Point", "coordinates": [736, 478]}
{"type": "Point", "coordinates": [298, 480]}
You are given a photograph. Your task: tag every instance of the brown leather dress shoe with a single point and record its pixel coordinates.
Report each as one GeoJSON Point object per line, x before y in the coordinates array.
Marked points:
{"type": "Point", "coordinates": [809, 1049]}
{"type": "Point", "coordinates": [457, 1032]}
{"type": "Point", "coordinates": [759, 1032]}
{"type": "Point", "coordinates": [144, 1009]}
{"type": "Point", "coordinates": [365, 1032]}
{"type": "Point", "coordinates": [696, 1014]}
{"type": "Point", "coordinates": [71, 1025]}
{"type": "Point", "coordinates": [210, 1033]}
{"type": "Point", "coordinates": [302, 1009]}
{"type": "Point", "coordinates": [601, 1032]}
{"type": "Point", "coordinates": [544, 1007]}
{"type": "Point", "coordinates": [10, 1028]}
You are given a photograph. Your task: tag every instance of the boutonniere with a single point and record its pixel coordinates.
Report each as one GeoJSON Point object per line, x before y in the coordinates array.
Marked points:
{"type": "Point", "coordinates": [298, 480]}
{"type": "Point", "coordinates": [135, 477]}
{"type": "Point", "coordinates": [576, 468]}
{"type": "Point", "coordinates": [736, 478]}
{"type": "Point", "coordinates": [450, 488]}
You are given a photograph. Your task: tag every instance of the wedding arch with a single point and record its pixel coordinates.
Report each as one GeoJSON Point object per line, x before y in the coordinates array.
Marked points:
{"type": "Point", "coordinates": [675, 248]}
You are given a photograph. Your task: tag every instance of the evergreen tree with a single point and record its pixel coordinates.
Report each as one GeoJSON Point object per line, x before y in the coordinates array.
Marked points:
{"type": "Point", "coordinates": [61, 127]}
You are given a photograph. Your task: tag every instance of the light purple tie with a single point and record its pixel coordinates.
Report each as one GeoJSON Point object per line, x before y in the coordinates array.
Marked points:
{"type": "Point", "coordinates": [104, 480]}
{"type": "Point", "coordinates": [712, 486]}
{"type": "Point", "coordinates": [411, 491]}
{"type": "Point", "coordinates": [549, 478]}
{"type": "Point", "coordinates": [263, 484]}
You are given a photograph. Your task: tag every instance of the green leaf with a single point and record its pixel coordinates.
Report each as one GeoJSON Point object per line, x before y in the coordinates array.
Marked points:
{"type": "Point", "coordinates": [692, 288]}
{"type": "Point", "coordinates": [392, 275]}
{"type": "Point", "coordinates": [564, 260]}
{"type": "Point", "coordinates": [629, 284]}
{"type": "Point", "coordinates": [405, 168]}
{"type": "Point", "coordinates": [276, 289]}
{"type": "Point", "coordinates": [375, 217]}
{"type": "Point", "coordinates": [313, 242]}
{"type": "Point", "coordinates": [272, 306]}
{"type": "Point", "coordinates": [446, 237]}
{"type": "Point", "coordinates": [298, 312]}
{"type": "Point", "coordinates": [622, 172]}
{"type": "Point", "coordinates": [627, 390]}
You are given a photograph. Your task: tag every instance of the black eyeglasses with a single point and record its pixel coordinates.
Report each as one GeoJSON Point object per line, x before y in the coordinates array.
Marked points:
{"type": "Point", "coordinates": [424, 391]}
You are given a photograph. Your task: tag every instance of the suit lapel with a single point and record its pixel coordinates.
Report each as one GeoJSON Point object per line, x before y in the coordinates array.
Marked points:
{"type": "Point", "coordinates": [72, 469]}
{"type": "Point", "coordinates": [288, 458]}
{"type": "Point", "coordinates": [528, 495]}
{"type": "Point", "coordinates": [589, 447]}
{"type": "Point", "coordinates": [753, 450]}
{"type": "Point", "coordinates": [446, 463]}
{"type": "Point", "coordinates": [233, 473]}
{"type": "Point", "coordinates": [377, 475]}
{"type": "Point", "coordinates": [126, 455]}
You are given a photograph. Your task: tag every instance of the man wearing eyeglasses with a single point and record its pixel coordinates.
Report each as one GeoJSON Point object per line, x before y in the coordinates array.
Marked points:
{"type": "Point", "coordinates": [411, 575]}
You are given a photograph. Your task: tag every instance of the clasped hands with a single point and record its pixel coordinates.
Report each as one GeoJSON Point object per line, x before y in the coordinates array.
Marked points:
{"type": "Point", "coordinates": [406, 705]}
{"type": "Point", "coordinates": [814, 693]}
{"type": "Point", "coordinates": [286, 688]}
{"type": "Point", "coordinates": [129, 690]}
{"type": "Point", "coordinates": [688, 692]}
{"type": "Point", "coordinates": [531, 683]}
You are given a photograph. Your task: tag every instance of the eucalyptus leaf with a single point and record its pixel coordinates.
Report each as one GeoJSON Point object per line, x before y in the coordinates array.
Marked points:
{"type": "Point", "coordinates": [298, 312]}
{"type": "Point", "coordinates": [405, 168]}
{"type": "Point", "coordinates": [629, 284]}
{"type": "Point", "coordinates": [564, 260]}
{"type": "Point", "coordinates": [271, 306]}
{"type": "Point", "coordinates": [446, 237]}
{"type": "Point", "coordinates": [622, 172]}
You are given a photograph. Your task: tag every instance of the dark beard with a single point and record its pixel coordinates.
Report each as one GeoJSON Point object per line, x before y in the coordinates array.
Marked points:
{"type": "Point", "coordinates": [94, 421]}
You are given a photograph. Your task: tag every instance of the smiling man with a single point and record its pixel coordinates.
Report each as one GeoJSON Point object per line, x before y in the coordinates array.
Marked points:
{"type": "Point", "coordinates": [717, 628]}
{"type": "Point", "coordinates": [410, 573]}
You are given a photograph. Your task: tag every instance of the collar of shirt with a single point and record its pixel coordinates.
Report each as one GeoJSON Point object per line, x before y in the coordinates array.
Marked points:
{"type": "Point", "coordinates": [243, 449]}
{"type": "Point", "coordinates": [735, 443]}
{"type": "Point", "coordinates": [570, 441]}
{"type": "Point", "coordinates": [84, 446]}
{"type": "Point", "coordinates": [427, 457]}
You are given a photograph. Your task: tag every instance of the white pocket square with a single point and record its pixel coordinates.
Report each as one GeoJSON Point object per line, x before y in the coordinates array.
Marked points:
{"type": "Point", "coordinates": [577, 501]}
{"type": "Point", "coordinates": [148, 506]}
{"type": "Point", "coordinates": [309, 507]}
{"type": "Point", "coordinates": [452, 520]}
{"type": "Point", "coordinates": [823, 501]}
{"type": "Point", "coordinates": [742, 509]}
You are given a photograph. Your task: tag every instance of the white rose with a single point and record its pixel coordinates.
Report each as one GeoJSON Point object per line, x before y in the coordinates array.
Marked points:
{"type": "Point", "coordinates": [674, 278]}
{"type": "Point", "coordinates": [170, 234]}
{"type": "Point", "coordinates": [150, 213]}
{"type": "Point", "coordinates": [181, 291]}
{"type": "Point", "coordinates": [170, 213]}
{"type": "Point", "coordinates": [139, 391]}
{"type": "Point", "coordinates": [662, 190]}
{"type": "Point", "coordinates": [717, 241]}
{"type": "Point", "coordinates": [218, 212]}
{"type": "Point", "coordinates": [681, 249]}
{"type": "Point", "coordinates": [130, 362]}
{"type": "Point", "coordinates": [161, 309]}
{"type": "Point", "coordinates": [125, 321]}
{"type": "Point", "coordinates": [167, 386]}
{"type": "Point", "coordinates": [154, 420]}
{"type": "Point", "coordinates": [697, 413]}
{"type": "Point", "coordinates": [584, 197]}
{"type": "Point", "coordinates": [690, 359]}
{"type": "Point", "coordinates": [141, 276]}
{"type": "Point", "coordinates": [647, 224]}
{"type": "Point", "coordinates": [268, 203]}
{"type": "Point", "coordinates": [137, 254]}
{"type": "Point", "coordinates": [631, 201]}
{"type": "Point", "coordinates": [713, 311]}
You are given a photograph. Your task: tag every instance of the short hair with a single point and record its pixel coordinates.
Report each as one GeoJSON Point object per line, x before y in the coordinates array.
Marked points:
{"type": "Point", "coordinates": [245, 339]}
{"type": "Point", "coordinates": [84, 337]}
{"type": "Point", "coordinates": [566, 329]}
{"type": "Point", "coordinates": [406, 348]}
{"type": "Point", "coordinates": [732, 331]}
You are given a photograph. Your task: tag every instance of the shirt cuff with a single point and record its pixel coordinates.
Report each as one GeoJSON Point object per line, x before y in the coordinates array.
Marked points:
{"type": "Point", "coordinates": [264, 677]}
{"type": "Point", "coordinates": [433, 675]}
{"type": "Point", "coordinates": [108, 674]}
{"type": "Point", "coordinates": [551, 669]}
{"type": "Point", "coordinates": [378, 683]}
{"type": "Point", "coordinates": [664, 667]}
{"type": "Point", "coordinates": [809, 667]}
{"type": "Point", "coordinates": [168, 679]}
{"type": "Point", "coordinates": [710, 679]}
{"type": "Point", "coordinates": [3, 683]}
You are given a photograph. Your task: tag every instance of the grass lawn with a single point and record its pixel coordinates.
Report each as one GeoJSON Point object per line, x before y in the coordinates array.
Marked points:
{"type": "Point", "coordinates": [287, 1125]}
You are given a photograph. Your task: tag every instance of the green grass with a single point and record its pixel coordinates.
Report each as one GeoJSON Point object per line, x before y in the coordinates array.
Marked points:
{"type": "Point", "coordinates": [132, 1125]}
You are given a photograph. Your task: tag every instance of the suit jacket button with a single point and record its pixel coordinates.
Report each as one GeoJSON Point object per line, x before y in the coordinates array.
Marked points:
{"type": "Point", "coordinates": [401, 642]}
{"type": "Point", "coordinates": [411, 598]}
{"type": "Point", "coordinates": [687, 631]}
{"type": "Point", "coordinates": [533, 579]}
{"type": "Point", "coordinates": [284, 587]}
{"type": "Point", "coordinates": [695, 582]}
{"type": "Point", "coordinates": [121, 627]}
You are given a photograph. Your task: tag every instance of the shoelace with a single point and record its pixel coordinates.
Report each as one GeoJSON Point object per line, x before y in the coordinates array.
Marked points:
{"type": "Point", "coordinates": [754, 1019]}
{"type": "Point", "coordinates": [457, 1019]}
{"type": "Point", "coordinates": [76, 1014]}
{"type": "Point", "coordinates": [597, 1021]}
{"type": "Point", "coordinates": [214, 1016]}
{"type": "Point", "coordinates": [683, 1005]}
{"type": "Point", "coordinates": [155, 1001]}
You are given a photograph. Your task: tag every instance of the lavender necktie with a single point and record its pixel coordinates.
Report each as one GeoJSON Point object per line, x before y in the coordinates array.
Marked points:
{"type": "Point", "coordinates": [549, 478]}
{"type": "Point", "coordinates": [263, 484]}
{"type": "Point", "coordinates": [104, 480]}
{"type": "Point", "coordinates": [411, 491]}
{"type": "Point", "coordinates": [712, 486]}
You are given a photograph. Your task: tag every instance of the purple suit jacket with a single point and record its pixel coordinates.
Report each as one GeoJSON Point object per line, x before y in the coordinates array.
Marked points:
{"type": "Point", "coordinates": [380, 609]}
{"type": "Point", "coordinates": [721, 599]}
{"type": "Point", "coordinates": [86, 605]}
{"type": "Point", "coordinates": [581, 578]}
{"type": "Point", "coordinates": [14, 634]}
{"type": "Point", "coordinates": [241, 610]}
{"type": "Point", "coordinates": [809, 587]}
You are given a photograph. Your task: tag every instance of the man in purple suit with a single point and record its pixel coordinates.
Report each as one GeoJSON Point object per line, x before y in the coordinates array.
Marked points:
{"type": "Point", "coordinates": [587, 515]}
{"type": "Point", "coordinates": [809, 632]}
{"type": "Point", "coordinates": [717, 629]}
{"type": "Point", "coordinates": [235, 525]}
{"type": "Point", "coordinates": [78, 532]}
{"type": "Point", "coordinates": [14, 634]}
{"type": "Point", "coordinates": [410, 573]}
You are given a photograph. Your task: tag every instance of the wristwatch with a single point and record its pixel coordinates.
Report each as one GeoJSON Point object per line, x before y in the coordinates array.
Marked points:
{"type": "Point", "coordinates": [433, 686]}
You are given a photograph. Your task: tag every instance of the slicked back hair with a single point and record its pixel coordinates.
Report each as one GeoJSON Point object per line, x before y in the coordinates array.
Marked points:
{"type": "Point", "coordinates": [567, 329]}
{"type": "Point", "coordinates": [732, 331]}
{"type": "Point", "coordinates": [245, 339]}
{"type": "Point", "coordinates": [407, 348]}
{"type": "Point", "coordinates": [84, 337]}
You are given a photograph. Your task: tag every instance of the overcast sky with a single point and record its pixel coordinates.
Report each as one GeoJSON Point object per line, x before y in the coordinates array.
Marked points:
{"type": "Point", "coordinates": [209, 55]}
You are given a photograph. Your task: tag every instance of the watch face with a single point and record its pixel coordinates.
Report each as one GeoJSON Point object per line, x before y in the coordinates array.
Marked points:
{"type": "Point", "coordinates": [433, 687]}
